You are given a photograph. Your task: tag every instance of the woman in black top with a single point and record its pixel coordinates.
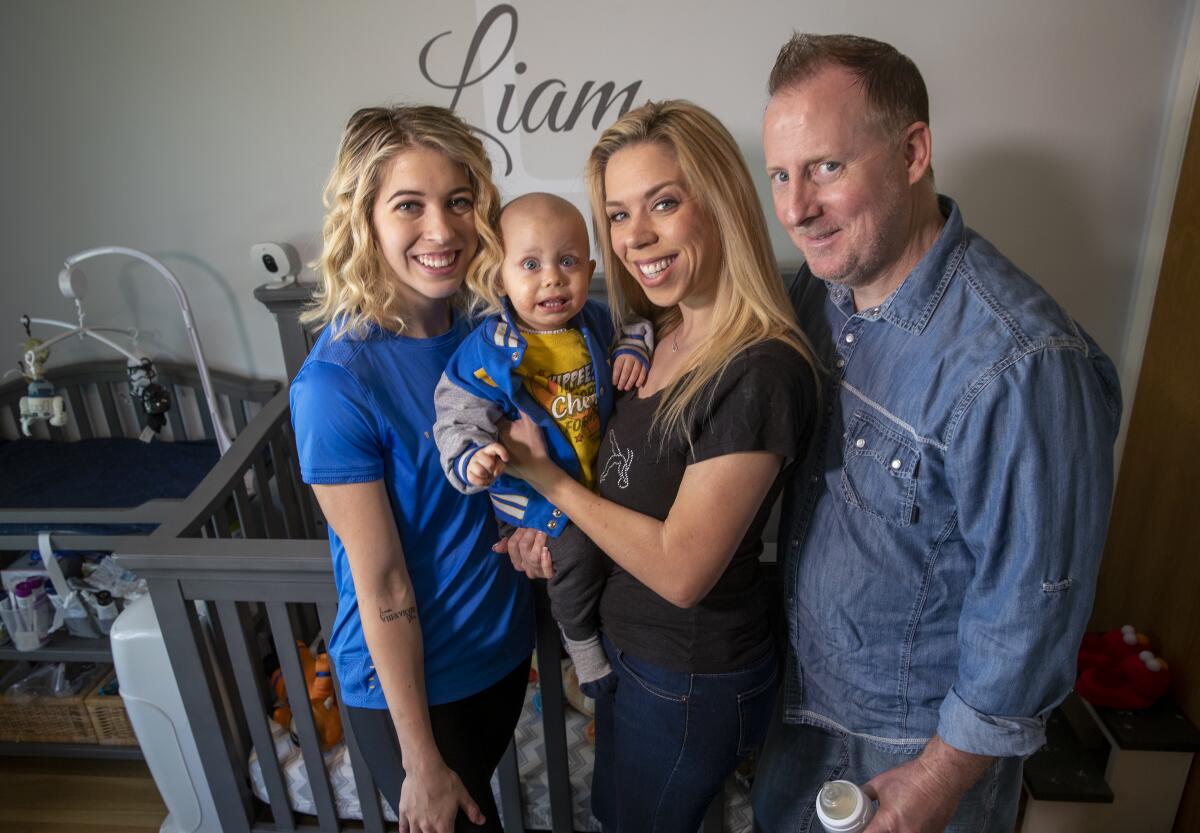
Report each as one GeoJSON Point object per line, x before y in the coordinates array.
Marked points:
{"type": "Point", "coordinates": [689, 467]}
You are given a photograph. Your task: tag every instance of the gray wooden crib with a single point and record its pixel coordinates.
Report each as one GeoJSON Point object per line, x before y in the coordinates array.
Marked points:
{"type": "Point", "coordinates": [238, 571]}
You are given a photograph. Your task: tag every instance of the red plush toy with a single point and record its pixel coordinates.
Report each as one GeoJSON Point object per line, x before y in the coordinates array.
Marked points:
{"type": "Point", "coordinates": [1118, 671]}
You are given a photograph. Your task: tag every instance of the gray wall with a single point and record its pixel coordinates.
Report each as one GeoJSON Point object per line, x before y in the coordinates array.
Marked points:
{"type": "Point", "coordinates": [193, 130]}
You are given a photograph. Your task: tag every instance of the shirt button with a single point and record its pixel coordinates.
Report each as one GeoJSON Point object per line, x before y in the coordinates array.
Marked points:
{"type": "Point", "coordinates": [840, 363]}
{"type": "Point", "coordinates": [552, 524]}
{"type": "Point", "coordinates": [896, 464]}
{"type": "Point", "coordinates": [860, 443]}
{"type": "Point", "coordinates": [557, 513]}
{"type": "Point", "coordinates": [849, 338]}
{"type": "Point", "coordinates": [795, 543]}
{"type": "Point", "coordinates": [812, 478]}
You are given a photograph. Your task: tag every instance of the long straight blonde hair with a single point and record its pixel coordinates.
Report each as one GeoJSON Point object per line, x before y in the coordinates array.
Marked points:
{"type": "Point", "coordinates": [357, 286]}
{"type": "Point", "coordinates": [752, 306]}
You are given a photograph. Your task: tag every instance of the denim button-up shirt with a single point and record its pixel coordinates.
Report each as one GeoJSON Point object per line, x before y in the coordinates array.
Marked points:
{"type": "Point", "coordinates": [941, 541]}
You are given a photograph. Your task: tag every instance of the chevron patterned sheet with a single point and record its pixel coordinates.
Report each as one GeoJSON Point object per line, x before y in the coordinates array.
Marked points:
{"type": "Point", "coordinates": [531, 763]}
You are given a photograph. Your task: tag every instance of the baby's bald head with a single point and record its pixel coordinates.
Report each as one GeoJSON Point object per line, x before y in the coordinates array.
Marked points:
{"type": "Point", "coordinates": [546, 268]}
{"type": "Point", "coordinates": [541, 209]}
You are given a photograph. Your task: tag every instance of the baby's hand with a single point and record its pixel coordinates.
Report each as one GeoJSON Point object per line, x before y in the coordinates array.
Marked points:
{"type": "Point", "coordinates": [628, 372]}
{"type": "Point", "coordinates": [487, 464]}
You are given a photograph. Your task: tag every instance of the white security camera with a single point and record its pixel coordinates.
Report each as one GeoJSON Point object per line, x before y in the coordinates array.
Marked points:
{"type": "Point", "coordinates": [280, 261]}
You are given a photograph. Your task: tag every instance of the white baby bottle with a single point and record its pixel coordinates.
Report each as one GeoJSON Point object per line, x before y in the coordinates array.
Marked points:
{"type": "Point", "coordinates": [843, 807]}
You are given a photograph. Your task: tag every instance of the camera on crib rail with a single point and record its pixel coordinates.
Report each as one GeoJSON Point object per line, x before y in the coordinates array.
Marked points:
{"type": "Point", "coordinates": [280, 261]}
{"type": "Point", "coordinates": [155, 399]}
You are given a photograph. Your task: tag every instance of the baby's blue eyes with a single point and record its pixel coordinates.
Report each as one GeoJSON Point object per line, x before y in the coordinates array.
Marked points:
{"type": "Point", "coordinates": [532, 264]}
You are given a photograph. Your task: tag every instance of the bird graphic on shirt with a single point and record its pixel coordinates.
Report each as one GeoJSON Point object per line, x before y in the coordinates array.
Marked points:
{"type": "Point", "coordinates": [619, 460]}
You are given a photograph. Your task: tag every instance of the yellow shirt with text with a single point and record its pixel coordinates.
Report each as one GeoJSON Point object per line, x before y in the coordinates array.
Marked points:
{"type": "Point", "coordinates": [557, 372]}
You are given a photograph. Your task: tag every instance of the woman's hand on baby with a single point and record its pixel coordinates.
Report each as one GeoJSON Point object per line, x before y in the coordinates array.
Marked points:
{"type": "Point", "coordinates": [487, 464]}
{"type": "Point", "coordinates": [628, 372]}
{"type": "Point", "coordinates": [526, 448]}
{"type": "Point", "coordinates": [527, 551]}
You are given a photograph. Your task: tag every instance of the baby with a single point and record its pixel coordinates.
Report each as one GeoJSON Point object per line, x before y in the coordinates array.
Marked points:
{"type": "Point", "coordinates": [544, 349]}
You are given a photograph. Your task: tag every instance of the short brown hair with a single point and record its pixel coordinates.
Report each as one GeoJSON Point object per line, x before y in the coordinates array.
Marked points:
{"type": "Point", "coordinates": [891, 82]}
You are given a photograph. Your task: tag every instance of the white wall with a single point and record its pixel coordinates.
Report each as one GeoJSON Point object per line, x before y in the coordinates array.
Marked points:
{"type": "Point", "coordinates": [193, 130]}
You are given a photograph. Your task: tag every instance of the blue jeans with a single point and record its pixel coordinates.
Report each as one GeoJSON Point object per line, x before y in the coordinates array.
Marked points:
{"type": "Point", "coordinates": [667, 740]}
{"type": "Point", "coordinates": [797, 760]}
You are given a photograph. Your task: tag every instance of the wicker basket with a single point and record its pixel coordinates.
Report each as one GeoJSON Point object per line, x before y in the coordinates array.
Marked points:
{"type": "Point", "coordinates": [109, 719]}
{"type": "Point", "coordinates": [45, 719]}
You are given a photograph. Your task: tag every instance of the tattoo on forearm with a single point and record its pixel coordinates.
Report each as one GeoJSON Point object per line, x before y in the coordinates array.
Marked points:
{"type": "Point", "coordinates": [409, 614]}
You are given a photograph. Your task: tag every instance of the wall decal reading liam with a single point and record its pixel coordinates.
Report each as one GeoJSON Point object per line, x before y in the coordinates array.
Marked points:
{"type": "Point", "coordinates": [536, 112]}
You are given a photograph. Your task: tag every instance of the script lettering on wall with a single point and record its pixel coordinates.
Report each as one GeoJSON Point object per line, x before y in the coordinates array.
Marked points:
{"type": "Point", "coordinates": [545, 105]}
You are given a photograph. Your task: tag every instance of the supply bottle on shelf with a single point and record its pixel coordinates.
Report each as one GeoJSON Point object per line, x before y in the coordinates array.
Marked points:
{"type": "Point", "coordinates": [23, 596]}
{"type": "Point", "coordinates": [843, 807]}
{"type": "Point", "coordinates": [106, 611]}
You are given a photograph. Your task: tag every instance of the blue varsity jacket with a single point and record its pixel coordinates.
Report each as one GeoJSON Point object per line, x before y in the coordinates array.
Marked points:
{"type": "Point", "coordinates": [469, 409]}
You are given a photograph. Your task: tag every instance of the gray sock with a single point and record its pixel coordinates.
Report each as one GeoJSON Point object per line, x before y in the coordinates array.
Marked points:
{"type": "Point", "coordinates": [591, 663]}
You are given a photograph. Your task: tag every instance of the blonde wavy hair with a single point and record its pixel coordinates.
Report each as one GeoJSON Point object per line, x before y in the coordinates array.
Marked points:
{"type": "Point", "coordinates": [357, 286]}
{"type": "Point", "coordinates": [483, 277]}
{"type": "Point", "coordinates": [752, 306]}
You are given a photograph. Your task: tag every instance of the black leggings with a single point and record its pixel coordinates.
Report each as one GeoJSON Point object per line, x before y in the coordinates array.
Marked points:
{"type": "Point", "coordinates": [471, 734]}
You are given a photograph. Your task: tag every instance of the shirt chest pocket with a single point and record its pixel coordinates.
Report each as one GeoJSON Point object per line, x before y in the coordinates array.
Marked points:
{"type": "Point", "coordinates": [879, 473]}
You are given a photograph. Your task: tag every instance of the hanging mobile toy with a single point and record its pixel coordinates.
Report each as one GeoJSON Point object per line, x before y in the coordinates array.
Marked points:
{"type": "Point", "coordinates": [31, 367]}
{"type": "Point", "coordinates": [41, 401]}
{"type": "Point", "coordinates": [155, 399]}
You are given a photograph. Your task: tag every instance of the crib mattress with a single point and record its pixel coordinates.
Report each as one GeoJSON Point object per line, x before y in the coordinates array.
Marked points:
{"type": "Point", "coordinates": [103, 473]}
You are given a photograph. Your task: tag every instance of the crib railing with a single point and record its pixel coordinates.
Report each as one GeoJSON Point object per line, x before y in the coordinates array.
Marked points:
{"type": "Point", "coordinates": [254, 491]}
{"type": "Point", "coordinates": [257, 588]}
{"type": "Point", "coordinates": [98, 404]}
{"type": "Point", "coordinates": [249, 545]}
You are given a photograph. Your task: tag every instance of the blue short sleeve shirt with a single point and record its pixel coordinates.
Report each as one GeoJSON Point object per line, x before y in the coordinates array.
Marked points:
{"type": "Point", "coordinates": [362, 409]}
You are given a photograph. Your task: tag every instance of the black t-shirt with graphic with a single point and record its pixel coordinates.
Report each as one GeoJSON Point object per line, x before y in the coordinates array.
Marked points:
{"type": "Point", "coordinates": [764, 401]}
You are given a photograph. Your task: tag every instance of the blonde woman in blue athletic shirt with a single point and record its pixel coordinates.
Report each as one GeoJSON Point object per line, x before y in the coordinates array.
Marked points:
{"type": "Point", "coordinates": [433, 637]}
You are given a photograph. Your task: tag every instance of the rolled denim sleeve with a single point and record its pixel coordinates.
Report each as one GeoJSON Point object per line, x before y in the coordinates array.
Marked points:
{"type": "Point", "coordinates": [1030, 467]}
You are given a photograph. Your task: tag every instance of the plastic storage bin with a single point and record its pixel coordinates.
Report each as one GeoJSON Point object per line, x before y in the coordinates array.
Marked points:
{"type": "Point", "coordinates": [156, 711]}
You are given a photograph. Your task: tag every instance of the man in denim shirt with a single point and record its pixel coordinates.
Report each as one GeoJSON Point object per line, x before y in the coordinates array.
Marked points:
{"type": "Point", "coordinates": [940, 543]}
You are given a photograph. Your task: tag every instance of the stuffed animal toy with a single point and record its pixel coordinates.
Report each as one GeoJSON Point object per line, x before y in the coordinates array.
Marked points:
{"type": "Point", "coordinates": [321, 698]}
{"type": "Point", "coordinates": [1117, 670]}
{"type": "Point", "coordinates": [324, 706]}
